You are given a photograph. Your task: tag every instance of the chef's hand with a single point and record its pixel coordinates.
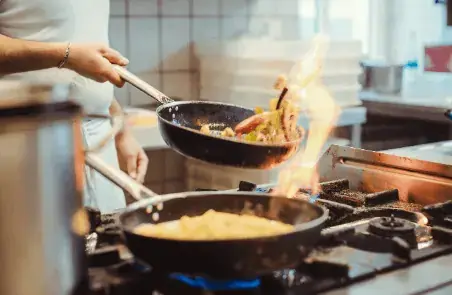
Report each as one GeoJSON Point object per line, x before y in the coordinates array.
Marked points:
{"type": "Point", "coordinates": [132, 156]}
{"type": "Point", "coordinates": [95, 61]}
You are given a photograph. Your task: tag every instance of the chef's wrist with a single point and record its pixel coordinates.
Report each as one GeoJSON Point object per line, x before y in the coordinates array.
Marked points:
{"type": "Point", "coordinates": [65, 59]}
{"type": "Point", "coordinates": [123, 134]}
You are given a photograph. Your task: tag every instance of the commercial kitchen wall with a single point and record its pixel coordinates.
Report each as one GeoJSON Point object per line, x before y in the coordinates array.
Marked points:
{"type": "Point", "coordinates": [158, 36]}
{"type": "Point", "coordinates": [414, 24]}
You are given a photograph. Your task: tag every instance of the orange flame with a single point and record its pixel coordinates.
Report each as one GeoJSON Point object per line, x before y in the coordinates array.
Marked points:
{"type": "Point", "coordinates": [306, 89]}
{"type": "Point", "coordinates": [422, 219]}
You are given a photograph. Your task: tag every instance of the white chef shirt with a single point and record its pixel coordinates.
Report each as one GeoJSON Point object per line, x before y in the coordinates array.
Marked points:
{"type": "Point", "coordinates": [74, 21]}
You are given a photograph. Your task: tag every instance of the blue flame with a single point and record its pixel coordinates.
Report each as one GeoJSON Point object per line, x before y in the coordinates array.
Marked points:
{"type": "Point", "coordinates": [216, 285]}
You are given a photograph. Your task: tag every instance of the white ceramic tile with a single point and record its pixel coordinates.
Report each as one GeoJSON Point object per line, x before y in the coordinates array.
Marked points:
{"type": "Point", "coordinates": [144, 48]}
{"type": "Point", "coordinates": [206, 7]}
{"type": "Point", "coordinates": [156, 172]}
{"type": "Point", "coordinates": [234, 27]}
{"type": "Point", "coordinates": [143, 7]}
{"type": "Point", "coordinates": [173, 187]}
{"type": "Point", "coordinates": [259, 26]}
{"type": "Point", "coordinates": [290, 28]}
{"type": "Point", "coordinates": [235, 7]}
{"type": "Point", "coordinates": [175, 7]}
{"type": "Point", "coordinates": [122, 95]}
{"type": "Point", "coordinates": [137, 97]}
{"type": "Point", "coordinates": [206, 29]}
{"type": "Point", "coordinates": [308, 28]}
{"type": "Point", "coordinates": [287, 7]}
{"type": "Point", "coordinates": [264, 7]}
{"type": "Point", "coordinates": [117, 7]}
{"type": "Point", "coordinates": [195, 86]}
{"type": "Point", "coordinates": [117, 33]}
{"type": "Point", "coordinates": [175, 44]}
{"type": "Point", "coordinates": [177, 85]}
{"type": "Point", "coordinates": [174, 166]}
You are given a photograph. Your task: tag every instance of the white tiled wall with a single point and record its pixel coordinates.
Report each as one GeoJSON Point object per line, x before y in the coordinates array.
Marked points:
{"type": "Point", "coordinates": [166, 172]}
{"type": "Point", "coordinates": [157, 36]}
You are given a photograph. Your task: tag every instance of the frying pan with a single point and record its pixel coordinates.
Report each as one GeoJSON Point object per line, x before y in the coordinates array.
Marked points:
{"type": "Point", "coordinates": [239, 258]}
{"type": "Point", "coordinates": [179, 124]}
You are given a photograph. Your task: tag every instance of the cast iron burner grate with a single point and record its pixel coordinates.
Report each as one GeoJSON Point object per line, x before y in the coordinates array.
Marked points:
{"type": "Point", "coordinates": [346, 205]}
{"type": "Point", "coordinates": [360, 246]}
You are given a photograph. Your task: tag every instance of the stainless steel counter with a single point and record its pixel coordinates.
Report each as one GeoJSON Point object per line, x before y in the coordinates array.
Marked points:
{"type": "Point", "coordinates": [427, 109]}
{"type": "Point", "coordinates": [439, 152]}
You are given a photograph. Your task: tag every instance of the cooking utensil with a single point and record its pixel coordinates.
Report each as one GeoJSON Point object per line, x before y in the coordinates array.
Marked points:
{"type": "Point", "coordinates": [41, 251]}
{"type": "Point", "coordinates": [179, 124]}
{"type": "Point", "coordinates": [239, 258]}
{"type": "Point", "coordinates": [381, 78]}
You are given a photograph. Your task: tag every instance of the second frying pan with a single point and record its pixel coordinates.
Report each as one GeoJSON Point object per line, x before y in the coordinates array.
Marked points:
{"type": "Point", "coordinates": [224, 259]}
{"type": "Point", "coordinates": [179, 124]}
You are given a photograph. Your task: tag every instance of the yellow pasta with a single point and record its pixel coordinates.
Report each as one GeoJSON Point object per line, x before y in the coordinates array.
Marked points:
{"type": "Point", "coordinates": [214, 225]}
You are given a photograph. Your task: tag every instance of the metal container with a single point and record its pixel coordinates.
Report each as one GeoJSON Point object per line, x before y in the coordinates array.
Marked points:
{"type": "Point", "coordinates": [41, 214]}
{"type": "Point", "coordinates": [381, 78]}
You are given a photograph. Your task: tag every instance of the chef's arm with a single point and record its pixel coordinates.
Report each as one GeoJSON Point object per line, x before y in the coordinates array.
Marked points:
{"type": "Point", "coordinates": [22, 56]}
{"type": "Point", "coordinates": [115, 108]}
{"type": "Point", "coordinates": [93, 61]}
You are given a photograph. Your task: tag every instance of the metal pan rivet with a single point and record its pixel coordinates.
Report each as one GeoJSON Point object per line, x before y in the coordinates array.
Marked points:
{"type": "Point", "coordinates": [149, 209]}
{"type": "Point", "coordinates": [160, 206]}
{"type": "Point", "coordinates": [155, 216]}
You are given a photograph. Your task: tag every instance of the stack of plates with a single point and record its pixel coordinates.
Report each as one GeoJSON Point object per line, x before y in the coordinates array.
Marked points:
{"type": "Point", "coordinates": [243, 72]}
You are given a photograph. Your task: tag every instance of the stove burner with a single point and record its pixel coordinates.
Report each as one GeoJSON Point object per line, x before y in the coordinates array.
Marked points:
{"type": "Point", "coordinates": [390, 227]}
{"type": "Point", "coordinates": [216, 285]}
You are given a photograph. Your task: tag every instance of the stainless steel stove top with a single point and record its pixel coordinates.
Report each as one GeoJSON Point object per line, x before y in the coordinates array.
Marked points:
{"type": "Point", "coordinates": [375, 241]}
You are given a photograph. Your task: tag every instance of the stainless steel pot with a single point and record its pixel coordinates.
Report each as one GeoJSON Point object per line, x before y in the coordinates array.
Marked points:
{"type": "Point", "coordinates": [41, 180]}
{"type": "Point", "coordinates": [381, 78]}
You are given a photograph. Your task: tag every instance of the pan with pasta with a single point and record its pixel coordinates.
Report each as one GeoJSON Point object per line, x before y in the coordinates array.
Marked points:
{"type": "Point", "coordinates": [222, 234]}
{"type": "Point", "coordinates": [214, 225]}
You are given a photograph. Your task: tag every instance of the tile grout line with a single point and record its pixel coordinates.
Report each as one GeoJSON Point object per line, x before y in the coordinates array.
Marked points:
{"type": "Point", "coordinates": [128, 41]}
{"type": "Point", "coordinates": [220, 19]}
{"type": "Point", "coordinates": [191, 51]}
{"type": "Point", "coordinates": [160, 44]}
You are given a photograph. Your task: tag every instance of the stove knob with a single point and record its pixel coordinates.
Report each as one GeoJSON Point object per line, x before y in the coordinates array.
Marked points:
{"type": "Point", "coordinates": [104, 257]}
{"type": "Point", "coordinates": [245, 186]}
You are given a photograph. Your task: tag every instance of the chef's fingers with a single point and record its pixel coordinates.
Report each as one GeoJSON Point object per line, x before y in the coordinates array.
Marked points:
{"type": "Point", "coordinates": [114, 78]}
{"type": "Point", "coordinates": [132, 166]}
{"type": "Point", "coordinates": [114, 56]}
{"type": "Point", "coordinates": [142, 168]}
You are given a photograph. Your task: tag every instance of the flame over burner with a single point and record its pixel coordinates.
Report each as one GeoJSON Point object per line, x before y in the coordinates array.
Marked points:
{"type": "Point", "coordinates": [306, 90]}
{"type": "Point", "coordinates": [216, 285]}
{"type": "Point", "coordinates": [422, 219]}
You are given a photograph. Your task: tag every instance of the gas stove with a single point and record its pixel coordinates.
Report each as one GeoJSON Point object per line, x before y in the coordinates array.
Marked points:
{"type": "Point", "coordinates": [375, 241]}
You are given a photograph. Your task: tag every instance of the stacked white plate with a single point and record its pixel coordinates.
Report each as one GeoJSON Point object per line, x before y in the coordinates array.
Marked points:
{"type": "Point", "coordinates": [244, 71]}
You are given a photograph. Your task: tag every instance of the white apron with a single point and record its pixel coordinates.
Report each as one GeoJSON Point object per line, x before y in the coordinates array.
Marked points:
{"type": "Point", "coordinates": [74, 21]}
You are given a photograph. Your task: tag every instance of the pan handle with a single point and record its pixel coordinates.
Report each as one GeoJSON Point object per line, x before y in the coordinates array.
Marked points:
{"type": "Point", "coordinates": [142, 85]}
{"type": "Point", "coordinates": [118, 177]}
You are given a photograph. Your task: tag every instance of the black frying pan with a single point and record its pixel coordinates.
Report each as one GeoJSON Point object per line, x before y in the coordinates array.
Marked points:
{"type": "Point", "coordinates": [179, 124]}
{"type": "Point", "coordinates": [240, 258]}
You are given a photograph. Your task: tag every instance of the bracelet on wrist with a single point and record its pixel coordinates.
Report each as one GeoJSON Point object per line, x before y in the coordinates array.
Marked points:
{"type": "Point", "coordinates": [66, 56]}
